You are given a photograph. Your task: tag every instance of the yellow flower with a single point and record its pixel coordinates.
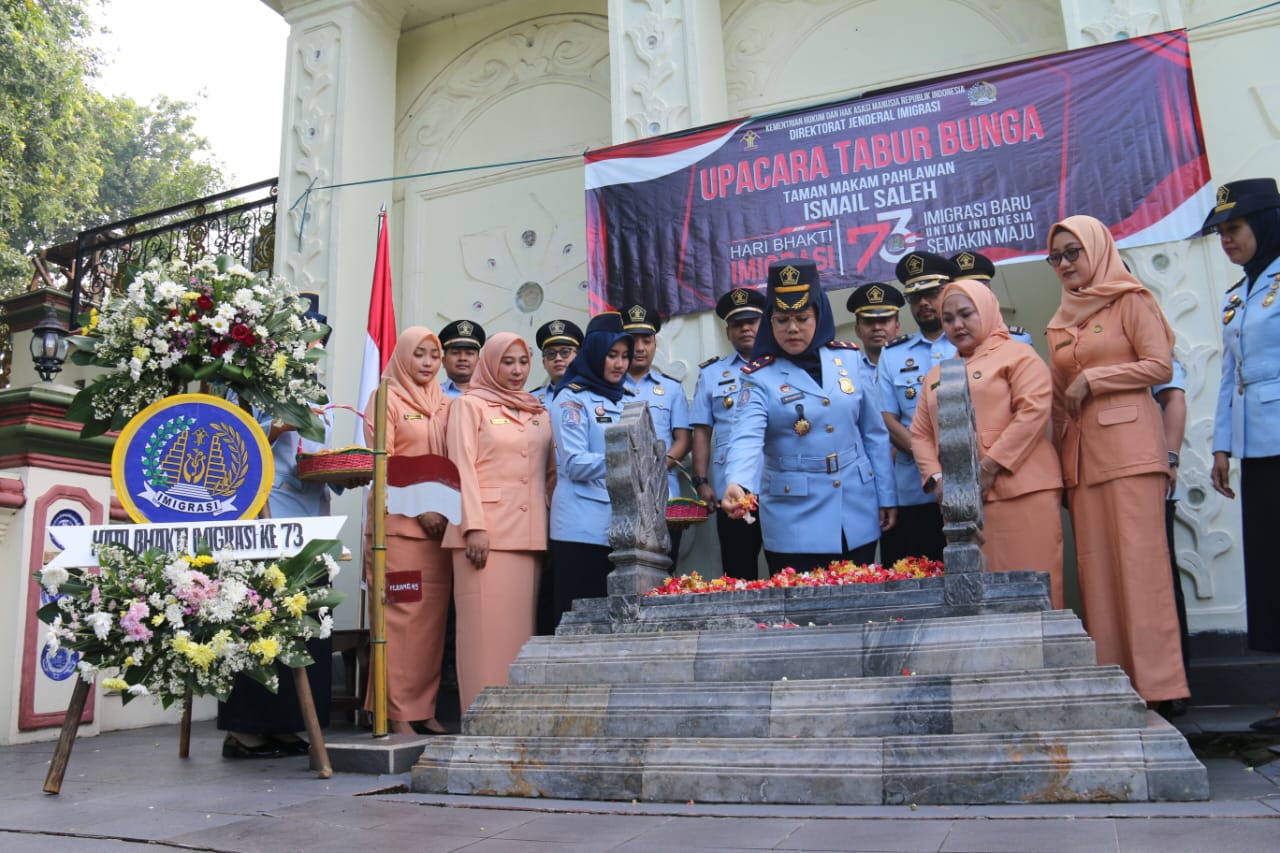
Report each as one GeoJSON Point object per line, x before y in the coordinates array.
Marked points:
{"type": "Point", "coordinates": [296, 604]}
{"type": "Point", "coordinates": [157, 619]}
{"type": "Point", "coordinates": [190, 296]}
{"type": "Point", "coordinates": [280, 365]}
{"type": "Point", "coordinates": [129, 661]}
{"type": "Point", "coordinates": [93, 322]}
{"type": "Point", "coordinates": [139, 323]}
{"type": "Point", "coordinates": [261, 619]}
{"type": "Point", "coordinates": [266, 648]}
{"type": "Point", "coordinates": [114, 684]}
{"type": "Point", "coordinates": [198, 653]}
{"type": "Point", "coordinates": [201, 560]}
{"type": "Point", "coordinates": [141, 353]}
{"type": "Point", "coordinates": [275, 577]}
{"type": "Point", "coordinates": [220, 641]}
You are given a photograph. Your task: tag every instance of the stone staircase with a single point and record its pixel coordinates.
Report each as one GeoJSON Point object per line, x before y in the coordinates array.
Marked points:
{"type": "Point", "coordinates": [981, 708]}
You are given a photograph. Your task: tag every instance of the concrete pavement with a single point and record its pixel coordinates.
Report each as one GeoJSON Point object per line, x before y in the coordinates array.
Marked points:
{"type": "Point", "coordinates": [129, 790]}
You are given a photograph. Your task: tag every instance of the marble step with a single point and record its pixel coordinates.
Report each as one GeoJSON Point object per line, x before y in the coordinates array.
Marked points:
{"type": "Point", "coordinates": [988, 643]}
{"type": "Point", "coordinates": [1094, 697]}
{"type": "Point", "coordinates": [1150, 763]}
{"type": "Point", "coordinates": [923, 598]}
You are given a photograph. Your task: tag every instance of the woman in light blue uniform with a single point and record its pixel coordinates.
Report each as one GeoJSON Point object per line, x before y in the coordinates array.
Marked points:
{"type": "Point", "coordinates": [1247, 221]}
{"type": "Point", "coordinates": [809, 438]}
{"type": "Point", "coordinates": [588, 399]}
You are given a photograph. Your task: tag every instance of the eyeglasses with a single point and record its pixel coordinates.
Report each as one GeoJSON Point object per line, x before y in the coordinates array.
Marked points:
{"type": "Point", "coordinates": [559, 353]}
{"type": "Point", "coordinates": [1071, 254]}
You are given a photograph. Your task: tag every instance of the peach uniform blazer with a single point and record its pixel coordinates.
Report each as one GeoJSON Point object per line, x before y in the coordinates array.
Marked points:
{"type": "Point", "coordinates": [507, 472]}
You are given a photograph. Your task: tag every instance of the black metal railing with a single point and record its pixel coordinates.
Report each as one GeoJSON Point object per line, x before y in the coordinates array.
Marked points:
{"type": "Point", "coordinates": [239, 223]}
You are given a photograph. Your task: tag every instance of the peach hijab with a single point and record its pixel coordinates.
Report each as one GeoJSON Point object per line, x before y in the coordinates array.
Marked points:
{"type": "Point", "coordinates": [426, 399]}
{"type": "Point", "coordinates": [994, 331]}
{"type": "Point", "coordinates": [1110, 280]}
{"type": "Point", "coordinates": [484, 382]}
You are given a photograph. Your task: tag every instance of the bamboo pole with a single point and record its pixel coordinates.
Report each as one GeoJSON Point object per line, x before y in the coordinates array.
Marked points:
{"type": "Point", "coordinates": [184, 729]}
{"type": "Point", "coordinates": [377, 589]}
{"type": "Point", "coordinates": [70, 725]}
{"type": "Point", "coordinates": [319, 752]}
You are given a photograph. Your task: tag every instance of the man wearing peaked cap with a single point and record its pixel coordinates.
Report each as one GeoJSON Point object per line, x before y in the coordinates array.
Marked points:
{"type": "Point", "coordinates": [665, 396]}
{"type": "Point", "coordinates": [712, 414]}
{"type": "Point", "coordinates": [971, 265]}
{"type": "Point", "coordinates": [461, 341]}
{"type": "Point", "coordinates": [875, 310]}
{"type": "Point", "coordinates": [900, 373]}
{"type": "Point", "coordinates": [559, 341]}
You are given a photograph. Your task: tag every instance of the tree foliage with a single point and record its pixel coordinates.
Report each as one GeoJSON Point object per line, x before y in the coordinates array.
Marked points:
{"type": "Point", "coordinates": [70, 157]}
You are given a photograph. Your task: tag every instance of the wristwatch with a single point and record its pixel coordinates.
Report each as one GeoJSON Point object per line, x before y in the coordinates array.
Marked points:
{"type": "Point", "coordinates": [1173, 459]}
{"type": "Point", "coordinates": [699, 481]}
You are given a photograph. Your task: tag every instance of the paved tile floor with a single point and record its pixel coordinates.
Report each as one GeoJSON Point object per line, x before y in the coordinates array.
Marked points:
{"type": "Point", "coordinates": [129, 791]}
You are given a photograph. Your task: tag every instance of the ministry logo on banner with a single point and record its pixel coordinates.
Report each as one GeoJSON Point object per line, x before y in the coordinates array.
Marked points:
{"type": "Point", "coordinates": [192, 457]}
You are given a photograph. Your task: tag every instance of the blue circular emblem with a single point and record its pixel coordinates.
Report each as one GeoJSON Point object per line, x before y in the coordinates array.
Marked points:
{"type": "Point", "coordinates": [63, 518]}
{"type": "Point", "coordinates": [59, 665]}
{"type": "Point", "coordinates": [192, 457]}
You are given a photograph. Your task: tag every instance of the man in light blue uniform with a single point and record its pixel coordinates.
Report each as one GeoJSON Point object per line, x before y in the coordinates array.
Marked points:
{"type": "Point", "coordinates": [559, 341]}
{"type": "Point", "coordinates": [875, 310]}
{"type": "Point", "coordinates": [712, 415]}
{"type": "Point", "coordinates": [980, 268]}
{"type": "Point", "coordinates": [809, 437]}
{"type": "Point", "coordinates": [461, 341]}
{"type": "Point", "coordinates": [901, 371]}
{"type": "Point", "coordinates": [665, 396]}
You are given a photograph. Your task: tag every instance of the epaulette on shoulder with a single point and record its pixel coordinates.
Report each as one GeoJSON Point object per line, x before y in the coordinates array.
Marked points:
{"type": "Point", "coordinates": [842, 345]}
{"type": "Point", "coordinates": [709, 362]}
{"type": "Point", "coordinates": [1237, 284]}
{"type": "Point", "coordinates": [628, 392]}
{"type": "Point", "coordinates": [757, 363]}
{"type": "Point", "coordinates": [901, 339]}
{"type": "Point", "coordinates": [1018, 330]}
{"type": "Point", "coordinates": [575, 386]}
{"type": "Point", "coordinates": [667, 376]}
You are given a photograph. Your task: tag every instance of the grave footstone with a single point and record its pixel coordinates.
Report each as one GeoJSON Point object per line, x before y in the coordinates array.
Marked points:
{"type": "Point", "coordinates": [961, 495]}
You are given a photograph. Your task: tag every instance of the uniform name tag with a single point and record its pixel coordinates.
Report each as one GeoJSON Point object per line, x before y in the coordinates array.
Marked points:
{"type": "Point", "coordinates": [1065, 343]}
{"type": "Point", "coordinates": [414, 417]}
{"type": "Point", "coordinates": [791, 398]}
{"type": "Point", "coordinates": [604, 419]}
{"type": "Point", "coordinates": [499, 420]}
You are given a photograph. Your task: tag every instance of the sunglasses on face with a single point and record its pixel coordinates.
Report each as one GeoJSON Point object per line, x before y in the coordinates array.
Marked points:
{"type": "Point", "coordinates": [559, 353]}
{"type": "Point", "coordinates": [1055, 258]}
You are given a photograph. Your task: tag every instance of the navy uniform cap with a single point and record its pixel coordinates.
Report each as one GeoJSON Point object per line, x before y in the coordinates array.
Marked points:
{"type": "Point", "coordinates": [971, 265]}
{"type": "Point", "coordinates": [462, 333]}
{"type": "Point", "coordinates": [640, 319]}
{"type": "Point", "coordinates": [558, 333]}
{"type": "Point", "coordinates": [875, 301]}
{"type": "Point", "coordinates": [920, 271]}
{"type": "Point", "coordinates": [607, 321]}
{"type": "Point", "coordinates": [313, 313]}
{"type": "Point", "coordinates": [791, 284]}
{"type": "Point", "coordinates": [1238, 198]}
{"type": "Point", "coordinates": [741, 303]}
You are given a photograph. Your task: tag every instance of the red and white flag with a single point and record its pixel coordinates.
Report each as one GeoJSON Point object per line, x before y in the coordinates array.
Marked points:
{"type": "Point", "coordinates": [380, 337]}
{"type": "Point", "coordinates": [418, 484]}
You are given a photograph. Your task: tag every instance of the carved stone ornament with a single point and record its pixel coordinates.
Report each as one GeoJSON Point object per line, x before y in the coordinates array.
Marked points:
{"type": "Point", "coordinates": [961, 494]}
{"type": "Point", "coordinates": [637, 481]}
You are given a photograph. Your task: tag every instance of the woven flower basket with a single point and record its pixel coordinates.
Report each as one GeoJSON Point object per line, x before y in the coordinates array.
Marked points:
{"type": "Point", "coordinates": [685, 512]}
{"type": "Point", "coordinates": [336, 466]}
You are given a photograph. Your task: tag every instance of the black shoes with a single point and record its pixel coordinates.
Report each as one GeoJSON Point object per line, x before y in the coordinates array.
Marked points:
{"type": "Point", "coordinates": [1266, 724]}
{"type": "Point", "coordinates": [232, 747]}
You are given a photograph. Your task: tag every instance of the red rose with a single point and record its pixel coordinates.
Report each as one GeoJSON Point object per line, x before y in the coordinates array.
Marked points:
{"type": "Point", "coordinates": [204, 303]}
{"type": "Point", "coordinates": [219, 347]}
{"type": "Point", "coordinates": [240, 333]}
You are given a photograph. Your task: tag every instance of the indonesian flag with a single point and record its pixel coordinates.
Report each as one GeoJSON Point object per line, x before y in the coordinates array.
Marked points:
{"type": "Point", "coordinates": [418, 484]}
{"type": "Point", "coordinates": [380, 337]}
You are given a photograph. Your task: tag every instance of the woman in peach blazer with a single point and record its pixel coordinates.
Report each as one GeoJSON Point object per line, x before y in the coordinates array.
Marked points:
{"type": "Point", "coordinates": [1019, 472]}
{"type": "Point", "coordinates": [499, 436]}
{"type": "Point", "coordinates": [1108, 344]}
{"type": "Point", "coordinates": [417, 415]}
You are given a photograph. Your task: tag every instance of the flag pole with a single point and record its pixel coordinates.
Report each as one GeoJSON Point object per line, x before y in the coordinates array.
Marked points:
{"type": "Point", "coordinates": [377, 600]}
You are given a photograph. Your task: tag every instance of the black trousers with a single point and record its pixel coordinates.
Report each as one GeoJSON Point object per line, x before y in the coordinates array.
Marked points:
{"type": "Point", "coordinates": [1179, 599]}
{"type": "Point", "coordinates": [740, 545]}
{"type": "Point", "coordinates": [254, 709]}
{"type": "Point", "coordinates": [1259, 502]}
{"type": "Point", "coordinates": [804, 562]}
{"type": "Point", "coordinates": [918, 533]}
{"type": "Point", "coordinates": [581, 570]}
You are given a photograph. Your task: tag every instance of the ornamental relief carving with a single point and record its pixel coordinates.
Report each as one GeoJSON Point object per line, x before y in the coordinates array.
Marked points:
{"type": "Point", "coordinates": [1122, 21]}
{"type": "Point", "coordinates": [657, 96]}
{"type": "Point", "coordinates": [311, 156]}
{"type": "Point", "coordinates": [571, 49]}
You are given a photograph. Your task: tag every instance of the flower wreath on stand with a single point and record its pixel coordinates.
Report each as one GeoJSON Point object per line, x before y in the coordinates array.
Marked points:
{"type": "Point", "coordinates": [212, 322]}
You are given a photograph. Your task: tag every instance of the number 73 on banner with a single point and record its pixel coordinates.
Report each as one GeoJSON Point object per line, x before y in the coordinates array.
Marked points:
{"type": "Point", "coordinates": [888, 236]}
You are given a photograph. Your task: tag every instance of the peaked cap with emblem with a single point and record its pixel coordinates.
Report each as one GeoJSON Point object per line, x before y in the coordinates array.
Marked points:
{"type": "Point", "coordinates": [971, 265]}
{"type": "Point", "coordinates": [640, 319]}
{"type": "Point", "coordinates": [1238, 198]}
{"type": "Point", "coordinates": [791, 283]}
{"type": "Point", "coordinates": [462, 333]}
{"type": "Point", "coordinates": [606, 321]}
{"type": "Point", "coordinates": [558, 333]}
{"type": "Point", "coordinates": [875, 301]}
{"type": "Point", "coordinates": [919, 271]}
{"type": "Point", "coordinates": [741, 303]}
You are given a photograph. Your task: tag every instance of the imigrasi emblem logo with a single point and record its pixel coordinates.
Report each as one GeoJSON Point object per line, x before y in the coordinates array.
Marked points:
{"type": "Point", "coordinates": [192, 457]}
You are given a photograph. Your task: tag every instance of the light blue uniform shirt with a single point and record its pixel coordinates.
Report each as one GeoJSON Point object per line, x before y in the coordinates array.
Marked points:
{"type": "Point", "coordinates": [580, 507]}
{"type": "Point", "coordinates": [1248, 413]}
{"type": "Point", "coordinates": [900, 375]}
{"type": "Point", "coordinates": [715, 405]}
{"type": "Point", "coordinates": [292, 497]}
{"type": "Point", "coordinates": [450, 388]}
{"type": "Point", "coordinates": [1178, 381]}
{"type": "Point", "coordinates": [830, 480]}
{"type": "Point", "coordinates": [543, 394]}
{"type": "Point", "coordinates": [668, 408]}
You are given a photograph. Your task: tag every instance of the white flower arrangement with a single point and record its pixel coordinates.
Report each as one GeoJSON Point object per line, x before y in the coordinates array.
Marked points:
{"type": "Point", "coordinates": [164, 623]}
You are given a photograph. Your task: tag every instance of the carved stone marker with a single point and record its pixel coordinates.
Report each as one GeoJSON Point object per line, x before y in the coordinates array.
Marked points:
{"type": "Point", "coordinates": [961, 494]}
{"type": "Point", "coordinates": [637, 480]}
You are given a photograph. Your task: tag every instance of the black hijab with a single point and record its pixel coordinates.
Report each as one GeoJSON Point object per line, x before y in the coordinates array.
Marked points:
{"type": "Point", "coordinates": [824, 333]}
{"type": "Point", "coordinates": [587, 367]}
{"type": "Point", "coordinates": [1265, 225]}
